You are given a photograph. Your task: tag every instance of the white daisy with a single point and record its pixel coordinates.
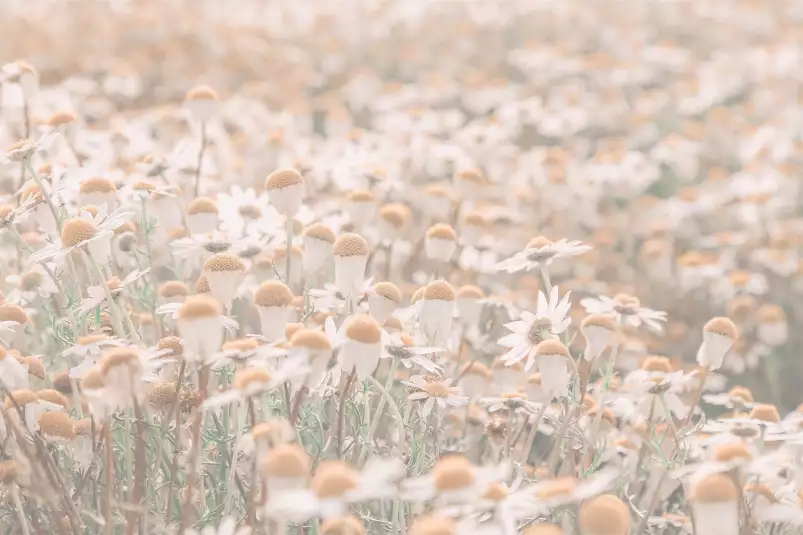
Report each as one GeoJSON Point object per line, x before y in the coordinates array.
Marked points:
{"type": "Point", "coordinates": [548, 321]}
{"type": "Point", "coordinates": [434, 391]}
{"type": "Point", "coordinates": [541, 252]}
{"type": "Point", "coordinates": [626, 309]}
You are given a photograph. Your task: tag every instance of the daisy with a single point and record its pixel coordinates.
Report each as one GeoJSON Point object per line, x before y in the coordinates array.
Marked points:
{"type": "Point", "coordinates": [24, 149]}
{"type": "Point", "coordinates": [410, 355]}
{"type": "Point", "coordinates": [553, 493]}
{"type": "Point", "coordinates": [93, 232]}
{"type": "Point", "coordinates": [453, 481]}
{"type": "Point", "coordinates": [172, 309]}
{"type": "Point", "coordinates": [431, 390]}
{"type": "Point", "coordinates": [541, 252]}
{"type": "Point", "coordinates": [330, 298]}
{"type": "Point", "coordinates": [514, 401]}
{"type": "Point", "coordinates": [97, 294]}
{"type": "Point", "coordinates": [498, 510]}
{"type": "Point", "coordinates": [243, 212]}
{"type": "Point", "coordinates": [626, 309]}
{"type": "Point", "coordinates": [32, 284]}
{"type": "Point", "coordinates": [15, 373]}
{"type": "Point", "coordinates": [548, 321]}
{"type": "Point", "coordinates": [254, 381]}
{"type": "Point", "coordinates": [737, 398]}
{"type": "Point", "coordinates": [199, 247]}
{"type": "Point", "coordinates": [20, 213]}
{"type": "Point", "coordinates": [334, 487]}
{"type": "Point", "coordinates": [658, 394]}
{"type": "Point", "coordinates": [89, 349]}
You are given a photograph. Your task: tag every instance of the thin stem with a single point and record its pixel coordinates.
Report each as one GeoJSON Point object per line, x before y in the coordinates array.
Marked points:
{"type": "Point", "coordinates": [392, 406]}
{"type": "Point", "coordinates": [250, 506]}
{"type": "Point", "coordinates": [195, 448]}
{"type": "Point", "coordinates": [436, 449]}
{"type": "Point", "coordinates": [56, 283]}
{"type": "Point", "coordinates": [547, 280]}
{"type": "Point", "coordinates": [175, 413]}
{"type": "Point", "coordinates": [200, 159]}
{"type": "Point", "coordinates": [509, 434]}
{"type": "Point", "coordinates": [233, 467]}
{"type": "Point", "coordinates": [15, 494]}
{"type": "Point", "coordinates": [139, 467]}
{"type": "Point", "coordinates": [288, 251]}
{"type": "Point", "coordinates": [341, 412]}
{"type": "Point", "coordinates": [381, 405]}
{"type": "Point", "coordinates": [533, 432]}
{"type": "Point", "coordinates": [116, 323]}
{"type": "Point", "coordinates": [652, 503]}
{"type": "Point", "coordinates": [107, 503]}
{"type": "Point", "coordinates": [554, 455]}
{"type": "Point", "coordinates": [697, 396]}
{"type": "Point", "coordinates": [297, 405]}
{"type": "Point", "coordinates": [27, 163]}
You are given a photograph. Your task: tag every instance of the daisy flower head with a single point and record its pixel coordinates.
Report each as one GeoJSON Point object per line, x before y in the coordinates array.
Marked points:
{"type": "Point", "coordinates": [334, 487]}
{"type": "Point", "coordinates": [318, 241]}
{"type": "Point", "coordinates": [330, 298]}
{"type": "Point", "coordinates": [201, 102]}
{"type": "Point", "coordinates": [96, 295]}
{"type": "Point", "coordinates": [351, 257]}
{"type": "Point", "coordinates": [173, 291]}
{"type": "Point", "coordinates": [200, 322]}
{"type": "Point", "coordinates": [360, 343]}
{"type": "Point", "coordinates": [243, 212]}
{"type": "Point", "coordinates": [25, 149]}
{"type": "Point", "coordinates": [627, 310]}
{"type": "Point", "coordinates": [552, 493]}
{"type": "Point", "coordinates": [604, 514]}
{"type": "Point", "coordinates": [541, 252]}
{"type": "Point", "coordinates": [317, 346]}
{"type": "Point", "coordinates": [431, 390]}
{"type": "Point", "coordinates": [273, 301]}
{"type": "Point", "coordinates": [384, 299]}
{"type": "Point", "coordinates": [599, 331]}
{"type": "Point", "coordinates": [436, 312]}
{"type": "Point", "coordinates": [738, 398]}
{"type": "Point", "coordinates": [15, 320]}
{"type": "Point", "coordinates": [715, 504]}
{"type": "Point", "coordinates": [224, 272]}
{"type": "Point", "coordinates": [97, 191]}
{"type": "Point", "coordinates": [285, 189]}
{"type": "Point", "coordinates": [94, 232]}
{"type": "Point", "coordinates": [440, 242]}
{"type": "Point", "coordinates": [255, 380]}
{"type": "Point", "coordinates": [15, 373]}
{"type": "Point", "coordinates": [32, 284]}
{"type": "Point", "coordinates": [203, 216]}
{"type": "Point", "coordinates": [548, 321]}
{"type": "Point", "coordinates": [454, 480]}
{"type": "Point", "coordinates": [719, 335]}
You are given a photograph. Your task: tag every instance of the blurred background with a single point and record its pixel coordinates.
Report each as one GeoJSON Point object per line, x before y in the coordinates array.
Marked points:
{"type": "Point", "coordinates": [704, 89]}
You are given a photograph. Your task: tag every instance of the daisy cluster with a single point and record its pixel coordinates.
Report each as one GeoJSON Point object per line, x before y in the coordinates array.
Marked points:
{"type": "Point", "coordinates": [489, 267]}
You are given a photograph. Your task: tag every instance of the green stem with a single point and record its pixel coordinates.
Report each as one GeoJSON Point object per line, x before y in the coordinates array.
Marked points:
{"type": "Point", "coordinates": [393, 408]}
{"type": "Point", "coordinates": [547, 280]}
{"type": "Point", "coordinates": [288, 251]}
{"type": "Point", "coordinates": [200, 159]}
{"type": "Point", "coordinates": [381, 405]}
{"type": "Point", "coordinates": [15, 494]}
{"type": "Point", "coordinates": [116, 323]}
{"type": "Point", "coordinates": [45, 194]}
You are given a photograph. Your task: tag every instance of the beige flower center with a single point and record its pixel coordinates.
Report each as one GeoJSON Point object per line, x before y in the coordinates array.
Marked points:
{"type": "Point", "coordinates": [437, 390]}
